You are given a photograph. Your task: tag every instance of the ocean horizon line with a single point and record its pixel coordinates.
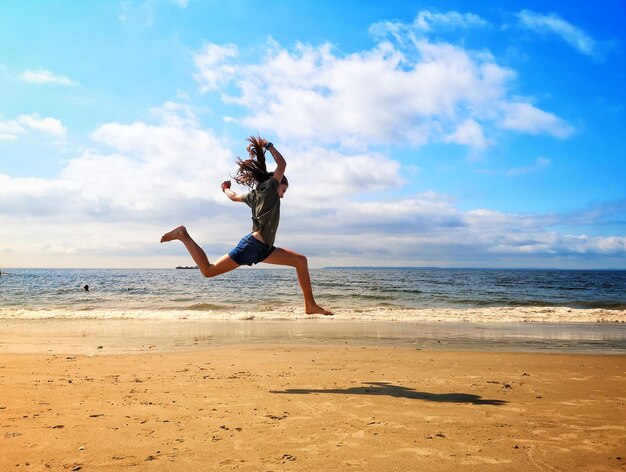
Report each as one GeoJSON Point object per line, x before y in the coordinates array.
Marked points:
{"type": "Point", "coordinates": [469, 268]}
{"type": "Point", "coordinates": [601, 269]}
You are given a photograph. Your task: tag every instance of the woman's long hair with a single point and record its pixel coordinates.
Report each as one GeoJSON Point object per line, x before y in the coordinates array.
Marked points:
{"type": "Point", "coordinates": [253, 170]}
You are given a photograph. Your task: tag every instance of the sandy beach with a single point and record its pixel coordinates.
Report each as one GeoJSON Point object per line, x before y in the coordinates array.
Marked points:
{"type": "Point", "coordinates": [307, 406]}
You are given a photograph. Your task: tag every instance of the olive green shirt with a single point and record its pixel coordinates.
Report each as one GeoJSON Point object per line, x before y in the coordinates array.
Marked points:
{"type": "Point", "coordinates": [265, 205]}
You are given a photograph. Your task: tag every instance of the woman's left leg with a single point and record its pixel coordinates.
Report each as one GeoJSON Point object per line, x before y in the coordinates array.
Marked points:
{"type": "Point", "coordinates": [292, 259]}
{"type": "Point", "coordinates": [222, 265]}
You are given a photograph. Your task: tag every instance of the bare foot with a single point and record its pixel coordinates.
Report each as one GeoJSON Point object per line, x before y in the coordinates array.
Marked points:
{"type": "Point", "coordinates": [317, 310]}
{"type": "Point", "coordinates": [176, 233]}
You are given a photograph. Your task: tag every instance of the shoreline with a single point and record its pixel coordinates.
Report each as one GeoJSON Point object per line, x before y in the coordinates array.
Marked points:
{"type": "Point", "coordinates": [267, 310]}
{"type": "Point", "coordinates": [136, 336]}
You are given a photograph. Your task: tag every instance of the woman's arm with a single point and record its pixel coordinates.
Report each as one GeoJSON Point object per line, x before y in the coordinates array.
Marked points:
{"type": "Point", "coordinates": [235, 197]}
{"type": "Point", "coordinates": [281, 164]}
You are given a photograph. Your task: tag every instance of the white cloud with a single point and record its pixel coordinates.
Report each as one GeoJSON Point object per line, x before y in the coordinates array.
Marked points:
{"type": "Point", "coordinates": [469, 133]}
{"type": "Point", "coordinates": [45, 77]}
{"type": "Point", "coordinates": [430, 229]}
{"type": "Point", "coordinates": [153, 163]}
{"type": "Point", "coordinates": [212, 65]}
{"type": "Point", "coordinates": [563, 245]}
{"type": "Point", "coordinates": [611, 244]}
{"type": "Point", "coordinates": [156, 176]}
{"type": "Point", "coordinates": [35, 197]}
{"type": "Point", "coordinates": [113, 206]}
{"type": "Point", "coordinates": [524, 117]}
{"type": "Point", "coordinates": [11, 129]}
{"type": "Point", "coordinates": [427, 22]}
{"type": "Point", "coordinates": [436, 93]}
{"type": "Point", "coordinates": [45, 124]}
{"type": "Point", "coordinates": [155, 171]}
{"type": "Point", "coordinates": [552, 23]}
{"type": "Point", "coordinates": [317, 174]}
{"type": "Point", "coordinates": [150, 170]}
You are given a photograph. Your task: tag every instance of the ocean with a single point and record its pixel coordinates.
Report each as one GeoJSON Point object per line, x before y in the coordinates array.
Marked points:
{"type": "Point", "coordinates": [353, 293]}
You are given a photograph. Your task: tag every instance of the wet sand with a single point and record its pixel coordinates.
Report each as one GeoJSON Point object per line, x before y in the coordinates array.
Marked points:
{"type": "Point", "coordinates": [125, 336]}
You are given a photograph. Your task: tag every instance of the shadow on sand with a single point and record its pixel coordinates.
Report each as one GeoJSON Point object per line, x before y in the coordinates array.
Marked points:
{"type": "Point", "coordinates": [385, 388]}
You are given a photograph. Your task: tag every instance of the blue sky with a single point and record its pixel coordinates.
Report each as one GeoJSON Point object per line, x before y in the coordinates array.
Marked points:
{"type": "Point", "coordinates": [466, 134]}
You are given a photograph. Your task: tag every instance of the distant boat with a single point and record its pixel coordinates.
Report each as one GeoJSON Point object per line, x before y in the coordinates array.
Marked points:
{"type": "Point", "coordinates": [186, 267]}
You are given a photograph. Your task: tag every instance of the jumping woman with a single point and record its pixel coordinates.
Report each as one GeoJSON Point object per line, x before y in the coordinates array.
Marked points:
{"type": "Point", "coordinates": [267, 188]}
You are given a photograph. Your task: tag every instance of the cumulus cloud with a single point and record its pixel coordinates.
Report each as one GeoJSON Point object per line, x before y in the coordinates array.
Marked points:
{"type": "Point", "coordinates": [314, 95]}
{"type": "Point", "coordinates": [143, 178]}
{"type": "Point", "coordinates": [166, 173]}
{"type": "Point", "coordinates": [11, 129]}
{"type": "Point", "coordinates": [152, 166]}
{"type": "Point", "coordinates": [429, 229]}
{"type": "Point", "coordinates": [30, 196]}
{"type": "Point", "coordinates": [42, 76]}
{"type": "Point", "coordinates": [552, 23]}
{"type": "Point", "coordinates": [469, 133]}
{"type": "Point", "coordinates": [45, 124]}
{"type": "Point", "coordinates": [213, 69]}
{"type": "Point", "coordinates": [115, 204]}
{"type": "Point", "coordinates": [524, 117]}
{"type": "Point", "coordinates": [430, 92]}
{"type": "Point", "coordinates": [112, 202]}
{"type": "Point", "coordinates": [138, 168]}
{"type": "Point", "coordinates": [550, 244]}
{"type": "Point", "coordinates": [320, 174]}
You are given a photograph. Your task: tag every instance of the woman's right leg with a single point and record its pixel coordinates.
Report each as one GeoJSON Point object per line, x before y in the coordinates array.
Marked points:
{"type": "Point", "coordinates": [222, 265]}
{"type": "Point", "coordinates": [290, 258]}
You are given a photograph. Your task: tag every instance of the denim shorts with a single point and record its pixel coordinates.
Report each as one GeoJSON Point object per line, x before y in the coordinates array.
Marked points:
{"type": "Point", "coordinates": [250, 251]}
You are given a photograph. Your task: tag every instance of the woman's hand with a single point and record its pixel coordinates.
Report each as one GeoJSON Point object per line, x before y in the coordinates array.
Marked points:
{"type": "Point", "coordinates": [231, 194]}
{"type": "Point", "coordinates": [281, 164]}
